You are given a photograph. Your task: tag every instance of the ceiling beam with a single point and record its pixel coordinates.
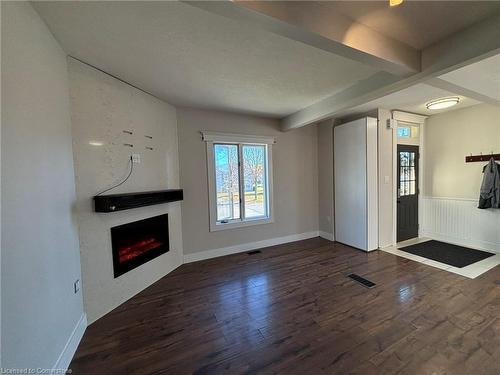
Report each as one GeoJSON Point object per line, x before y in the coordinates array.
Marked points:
{"type": "Point", "coordinates": [364, 91]}
{"type": "Point", "coordinates": [314, 24]}
{"type": "Point", "coordinates": [463, 48]}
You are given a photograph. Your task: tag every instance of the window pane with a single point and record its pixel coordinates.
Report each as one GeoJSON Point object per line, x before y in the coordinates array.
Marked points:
{"type": "Point", "coordinates": [412, 173]}
{"type": "Point", "coordinates": [403, 132]}
{"type": "Point", "coordinates": [404, 188]}
{"type": "Point", "coordinates": [407, 173]}
{"type": "Point", "coordinates": [405, 158]}
{"type": "Point", "coordinates": [227, 181]}
{"type": "Point", "coordinates": [255, 184]}
{"type": "Point", "coordinates": [412, 159]}
{"type": "Point", "coordinates": [412, 188]}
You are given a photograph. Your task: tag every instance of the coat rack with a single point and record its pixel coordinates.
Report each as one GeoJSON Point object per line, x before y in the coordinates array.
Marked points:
{"type": "Point", "coordinates": [473, 158]}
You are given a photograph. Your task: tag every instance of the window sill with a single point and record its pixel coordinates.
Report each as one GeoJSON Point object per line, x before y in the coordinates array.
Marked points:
{"type": "Point", "coordinates": [240, 224]}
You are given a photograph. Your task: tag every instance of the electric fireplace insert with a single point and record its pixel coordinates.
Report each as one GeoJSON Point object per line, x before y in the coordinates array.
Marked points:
{"type": "Point", "coordinates": [138, 242]}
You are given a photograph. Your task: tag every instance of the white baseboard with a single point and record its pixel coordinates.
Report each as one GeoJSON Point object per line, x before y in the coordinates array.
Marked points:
{"type": "Point", "coordinates": [385, 246]}
{"type": "Point", "coordinates": [208, 254]}
{"type": "Point", "coordinates": [326, 235]}
{"type": "Point", "coordinates": [475, 244]}
{"type": "Point", "coordinates": [74, 339]}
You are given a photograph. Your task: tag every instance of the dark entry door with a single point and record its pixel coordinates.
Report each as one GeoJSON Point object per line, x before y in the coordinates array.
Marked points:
{"type": "Point", "coordinates": [407, 192]}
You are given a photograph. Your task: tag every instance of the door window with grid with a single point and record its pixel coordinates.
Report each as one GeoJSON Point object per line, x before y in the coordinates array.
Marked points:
{"type": "Point", "coordinates": [407, 173]}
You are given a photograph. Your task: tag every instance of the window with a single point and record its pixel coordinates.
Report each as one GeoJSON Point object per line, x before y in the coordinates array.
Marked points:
{"type": "Point", "coordinates": [408, 132]}
{"type": "Point", "coordinates": [407, 176]}
{"type": "Point", "coordinates": [404, 132]}
{"type": "Point", "coordinates": [240, 180]}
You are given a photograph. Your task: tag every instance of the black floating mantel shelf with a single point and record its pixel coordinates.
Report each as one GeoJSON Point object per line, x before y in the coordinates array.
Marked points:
{"type": "Point", "coordinates": [120, 202]}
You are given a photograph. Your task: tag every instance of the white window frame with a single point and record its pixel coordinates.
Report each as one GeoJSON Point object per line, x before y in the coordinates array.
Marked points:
{"type": "Point", "coordinates": [212, 138]}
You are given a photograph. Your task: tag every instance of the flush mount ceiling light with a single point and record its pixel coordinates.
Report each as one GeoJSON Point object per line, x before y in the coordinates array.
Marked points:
{"type": "Point", "coordinates": [394, 3]}
{"type": "Point", "coordinates": [443, 103]}
{"type": "Point", "coordinates": [96, 143]}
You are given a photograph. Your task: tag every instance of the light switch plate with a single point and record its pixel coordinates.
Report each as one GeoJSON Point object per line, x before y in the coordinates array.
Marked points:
{"type": "Point", "coordinates": [136, 158]}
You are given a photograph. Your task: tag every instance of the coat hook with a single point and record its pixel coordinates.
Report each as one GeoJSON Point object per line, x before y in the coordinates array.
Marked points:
{"type": "Point", "coordinates": [128, 144]}
{"type": "Point", "coordinates": [127, 132]}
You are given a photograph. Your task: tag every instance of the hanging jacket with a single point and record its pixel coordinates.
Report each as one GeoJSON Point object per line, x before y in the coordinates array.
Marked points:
{"type": "Point", "coordinates": [489, 196]}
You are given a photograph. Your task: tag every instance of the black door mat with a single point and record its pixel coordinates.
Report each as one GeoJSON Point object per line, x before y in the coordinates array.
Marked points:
{"type": "Point", "coordinates": [454, 255]}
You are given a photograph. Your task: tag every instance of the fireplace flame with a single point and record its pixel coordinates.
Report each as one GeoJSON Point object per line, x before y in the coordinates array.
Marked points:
{"type": "Point", "coordinates": [138, 248]}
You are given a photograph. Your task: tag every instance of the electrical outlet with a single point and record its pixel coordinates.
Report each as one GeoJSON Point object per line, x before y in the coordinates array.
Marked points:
{"type": "Point", "coordinates": [76, 285]}
{"type": "Point", "coordinates": [136, 158]}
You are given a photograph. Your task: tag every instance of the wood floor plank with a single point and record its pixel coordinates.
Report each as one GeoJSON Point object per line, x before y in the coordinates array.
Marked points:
{"type": "Point", "coordinates": [292, 309]}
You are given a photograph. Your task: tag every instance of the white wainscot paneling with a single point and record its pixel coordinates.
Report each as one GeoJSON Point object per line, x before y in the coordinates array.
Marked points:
{"type": "Point", "coordinates": [460, 221]}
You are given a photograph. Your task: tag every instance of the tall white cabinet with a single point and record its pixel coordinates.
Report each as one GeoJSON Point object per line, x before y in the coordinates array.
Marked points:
{"type": "Point", "coordinates": [356, 182]}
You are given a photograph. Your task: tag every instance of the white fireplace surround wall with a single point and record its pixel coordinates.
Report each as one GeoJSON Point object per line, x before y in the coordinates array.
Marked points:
{"type": "Point", "coordinates": [101, 109]}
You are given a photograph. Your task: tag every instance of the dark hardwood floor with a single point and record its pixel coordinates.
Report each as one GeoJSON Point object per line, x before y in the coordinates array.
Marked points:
{"type": "Point", "coordinates": [291, 309]}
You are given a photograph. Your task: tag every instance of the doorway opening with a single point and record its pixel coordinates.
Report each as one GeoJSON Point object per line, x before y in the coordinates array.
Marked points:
{"type": "Point", "coordinates": [407, 192]}
{"type": "Point", "coordinates": [408, 166]}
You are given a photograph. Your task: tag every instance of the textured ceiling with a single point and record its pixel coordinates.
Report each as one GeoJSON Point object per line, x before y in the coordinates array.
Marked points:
{"type": "Point", "coordinates": [482, 77]}
{"type": "Point", "coordinates": [416, 23]}
{"type": "Point", "coordinates": [190, 57]}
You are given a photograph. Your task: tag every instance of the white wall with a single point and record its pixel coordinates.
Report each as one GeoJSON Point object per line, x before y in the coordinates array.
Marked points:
{"type": "Point", "coordinates": [449, 137]}
{"type": "Point", "coordinates": [451, 186]}
{"type": "Point", "coordinates": [295, 180]}
{"type": "Point", "coordinates": [101, 108]}
{"type": "Point", "coordinates": [386, 139]}
{"type": "Point", "coordinates": [460, 221]}
{"type": "Point", "coordinates": [40, 258]}
{"type": "Point", "coordinates": [1, 118]}
{"type": "Point", "coordinates": [325, 179]}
